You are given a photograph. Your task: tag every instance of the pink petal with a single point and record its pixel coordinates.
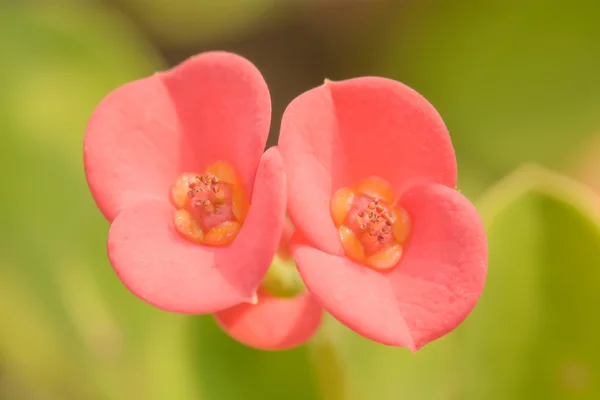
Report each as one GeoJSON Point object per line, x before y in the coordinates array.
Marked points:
{"type": "Point", "coordinates": [284, 244]}
{"type": "Point", "coordinates": [224, 109]}
{"type": "Point", "coordinates": [214, 106]}
{"type": "Point", "coordinates": [431, 291]}
{"type": "Point", "coordinates": [274, 323]}
{"type": "Point", "coordinates": [132, 146]}
{"type": "Point", "coordinates": [172, 273]}
{"type": "Point", "coordinates": [336, 134]}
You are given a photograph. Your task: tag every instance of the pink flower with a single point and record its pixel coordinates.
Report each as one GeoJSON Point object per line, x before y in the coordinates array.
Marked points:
{"type": "Point", "coordinates": [175, 162]}
{"type": "Point", "coordinates": [274, 323]}
{"type": "Point", "coordinates": [385, 243]}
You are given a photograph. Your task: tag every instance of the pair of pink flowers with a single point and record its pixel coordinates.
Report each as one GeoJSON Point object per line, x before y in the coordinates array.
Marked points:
{"type": "Point", "coordinates": [365, 169]}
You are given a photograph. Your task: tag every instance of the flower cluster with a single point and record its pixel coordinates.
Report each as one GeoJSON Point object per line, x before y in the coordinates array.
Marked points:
{"type": "Point", "coordinates": [364, 168]}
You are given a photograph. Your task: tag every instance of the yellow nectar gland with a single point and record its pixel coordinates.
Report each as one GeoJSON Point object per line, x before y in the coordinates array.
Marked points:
{"type": "Point", "coordinates": [210, 208]}
{"type": "Point", "coordinates": [372, 231]}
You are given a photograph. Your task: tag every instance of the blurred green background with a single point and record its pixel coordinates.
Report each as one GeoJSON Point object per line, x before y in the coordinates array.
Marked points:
{"type": "Point", "coordinates": [518, 84]}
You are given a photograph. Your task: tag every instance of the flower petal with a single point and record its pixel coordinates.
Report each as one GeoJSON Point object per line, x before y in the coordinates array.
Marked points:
{"type": "Point", "coordinates": [284, 244]}
{"type": "Point", "coordinates": [132, 146]}
{"type": "Point", "coordinates": [437, 283]}
{"type": "Point", "coordinates": [341, 132]}
{"type": "Point", "coordinates": [274, 323]}
{"type": "Point", "coordinates": [214, 106]}
{"type": "Point", "coordinates": [224, 110]}
{"type": "Point", "coordinates": [161, 267]}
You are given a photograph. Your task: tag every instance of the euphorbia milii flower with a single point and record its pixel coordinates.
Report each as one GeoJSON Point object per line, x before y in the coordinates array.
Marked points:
{"type": "Point", "coordinates": [175, 162]}
{"type": "Point", "coordinates": [385, 242]}
{"type": "Point", "coordinates": [275, 322]}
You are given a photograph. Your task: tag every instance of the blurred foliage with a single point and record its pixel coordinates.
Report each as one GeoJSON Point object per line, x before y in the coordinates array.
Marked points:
{"type": "Point", "coordinates": [532, 335]}
{"type": "Point", "coordinates": [188, 22]}
{"type": "Point", "coordinates": [73, 330]}
{"type": "Point", "coordinates": [585, 163]}
{"type": "Point", "coordinates": [230, 370]}
{"type": "Point", "coordinates": [514, 81]}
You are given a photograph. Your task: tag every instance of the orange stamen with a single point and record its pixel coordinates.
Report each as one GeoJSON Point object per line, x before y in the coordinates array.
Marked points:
{"type": "Point", "coordinates": [223, 171]}
{"type": "Point", "coordinates": [210, 207]}
{"type": "Point", "coordinates": [376, 188]}
{"type": "Point", "coordinates": [340, 205]}
{"type": "Point", "coordinates": [222, 234]}
{"type": "Point", "coordinates": [385, 259]}
{"type": "Point", "coordinates": [402, 225]}
{"type": "Point", "coordinates": [370, 229]}
{"type": "Point", "coordinates": [187, 226]}
{"type": "Point", "coordinates": [352, 246]}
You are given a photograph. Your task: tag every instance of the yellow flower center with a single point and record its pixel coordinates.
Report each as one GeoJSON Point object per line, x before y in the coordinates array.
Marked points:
{"type": "Point", "coordinates": [211, 207]}
{"type": "Point", "coordinates": [371, 228]}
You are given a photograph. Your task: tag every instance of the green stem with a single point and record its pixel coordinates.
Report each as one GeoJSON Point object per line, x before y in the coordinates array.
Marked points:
{"type": "Point", "coordinates": [283, 279]}
{"type": "Point", "coordinates": [328, 366]}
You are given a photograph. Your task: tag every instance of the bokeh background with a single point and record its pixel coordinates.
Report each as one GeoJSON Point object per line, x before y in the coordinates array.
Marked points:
{"type": "Point", "coordinates": [518, 84]}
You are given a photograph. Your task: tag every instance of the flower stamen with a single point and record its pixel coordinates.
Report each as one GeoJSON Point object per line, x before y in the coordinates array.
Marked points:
{"type": "Point", "coordinates": [372, 231]}
{"type": "Point", "coordinates": [210, 209]}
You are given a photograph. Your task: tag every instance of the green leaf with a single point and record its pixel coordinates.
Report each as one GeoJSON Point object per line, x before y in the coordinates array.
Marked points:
{"type": "Point", "coordinates": [283, 279]}
{"type": "Point", "coordinates": [229, 370]}
{"type": "Point", "coordinates": [58, 63]}
{"type": "Point", "coordinates": [31, 347]}
{"type": "Point", "coordinates": [329, 366]}
{"type": "Point", "coordinates": [533, 333]}
{"type": "Point", "coordinates": [514, 81]}
{"type": "Point", "coordinates": [375, 371]}
{"type": "Point", "coordinates": [167, 358]}
{"type": "Point", "coordinates": [187, 22]}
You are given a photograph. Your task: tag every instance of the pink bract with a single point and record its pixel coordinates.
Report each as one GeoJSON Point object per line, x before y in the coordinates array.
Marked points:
{"type": "Point", "coordinates": [274, 323]}
{"type": "Point", "coordinates": [142, 136]}
{"type": "Point", "coordinates": [333, 136]}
